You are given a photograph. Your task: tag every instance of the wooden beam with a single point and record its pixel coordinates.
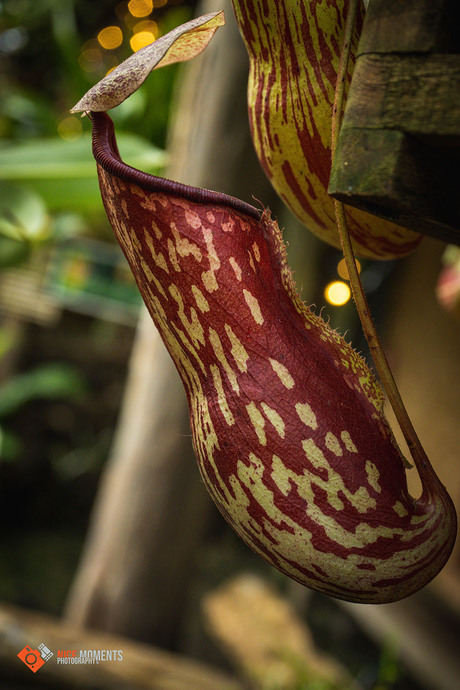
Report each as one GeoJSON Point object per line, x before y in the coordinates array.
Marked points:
{"type": "Point", "coordinates": [423, 26]}
{"type": "Point", "coordinates": [415, 94]}
{"type": "Point", "coordinates": [398, 154]}
{"type": "Point", "coordinates": [142, 667]}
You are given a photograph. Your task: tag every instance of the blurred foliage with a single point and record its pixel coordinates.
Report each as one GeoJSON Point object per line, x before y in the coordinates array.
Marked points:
{"type": "Point", "coordinates": [60, 389]}
{"type": "Point", "coordinates": [390, 670]}
{"type": "Point", "coordinates": [49, 56]}
{"type": "Point", "coordinates": [47, 381]}
{"type": "Point", "coordinates": [62, 172]}
{"type": "Point", "coordinates": [22, 213]}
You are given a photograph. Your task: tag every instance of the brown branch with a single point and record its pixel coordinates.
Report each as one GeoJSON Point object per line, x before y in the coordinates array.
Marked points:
{"type": "Point", "coordinates": [142, 667]}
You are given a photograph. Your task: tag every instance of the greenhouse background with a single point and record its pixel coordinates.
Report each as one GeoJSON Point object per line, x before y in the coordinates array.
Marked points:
{"type": "Point", "coordinates": [107, 528]}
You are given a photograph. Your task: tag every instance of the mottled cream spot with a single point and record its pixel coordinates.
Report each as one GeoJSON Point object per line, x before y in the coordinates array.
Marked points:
{"type": "Point", "coordinates": [417, 519]}
{"type": "Point", "coordinates": [334, 483]}
{"type": "Point", "coordinates": [238, 350]}
{"type": "Point", "coordinates": [188, 371]}
{"type": "Point", "coordinates": [348, 443]}
{"type": "Point", "coordinates": [158, 257]}
{"type": "Point", "coordinates": [333, 444]}
{"type": "Point", "coordinates": [210, 216]}
{"type": "Point", "coordinates": [314, 454]}
{"type": "Point", "coordinates": [280, 475]}
{"type": "Point", "coordinates": [134, 189]}
{"type": "Point", "coordinates": [221, 397]}
{"type": "Point", "coordinates": [282, 372]}
{"type": "Point", "coordinates": [399, 509]}
{"type": "Point", "coordinates": [275, 418]}
{"type": "Point", "coordinates": [172, 255]}
{"type": "Point", "coordinates": [256, 250]}
{"type": "Point", "coordinates": [184, 246]}
{"type": "Point", "coordinates": [193, 219]}
{"type": "Point", "coordinates": [193, 325]}
{"type": "Point", "coordinates": [220, 354]}
{"type": "Point", "coordinates": [125, 240]}
{"type": "Point", "coordinates": [209, 277]}
{"type": "Point", "coordinates": [135, 241]}
{"type": "Point", "coordinates": [236, 268]}
{"type": "Point", "coordinates": [228, 225]}
{"type": "Point", "coordinates": [209, 281]}
{"type": "Point", "coordinates": [306, 415]}
{"type": "Point", "coordinates": [254, 307]}
{"type": "Point", "coordinates": [124, 207]}
{"type": "Point", "coordinates": [257, 421]}
{"type": "Point", "coordinates": [251, 261]}
{"type": "Point", "coordinates": [373, 476]}
{"type": "Point", "coordinates": [200, 299]}
{"type": "Point", "coordinates": [156, 230]}
{"type": "Point", "coordinates": [152, 278]}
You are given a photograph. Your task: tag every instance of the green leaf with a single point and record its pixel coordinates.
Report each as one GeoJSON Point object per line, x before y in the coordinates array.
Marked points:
{"type": "Point", "coordinates": [10, 446]}
{"type": "Point", "coordinates": [182, 43]}
{"type": "Point", "coordinates": [13, 252]}
{"type": "Point", "coordinates": [22, 213]}
{"type": "Point", "coordinates": [55, 158]}
{"type": "Point", "coordinates": [63, 172]}
{"type": "Point", "coordinates": [48, 381]}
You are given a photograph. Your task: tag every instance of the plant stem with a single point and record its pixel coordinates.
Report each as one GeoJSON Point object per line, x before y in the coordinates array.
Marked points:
{"type": "Point", "coordinates": [378, 355]}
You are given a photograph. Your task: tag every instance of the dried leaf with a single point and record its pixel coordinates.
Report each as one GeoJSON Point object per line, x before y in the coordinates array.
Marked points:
{"type": "Point", "coordinates": [182, 43]}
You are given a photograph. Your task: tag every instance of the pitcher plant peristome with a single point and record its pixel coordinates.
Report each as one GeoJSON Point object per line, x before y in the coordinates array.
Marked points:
{"type": "Point", "coordinates": [294, 52]}
{"type": "Point", "coordinates": [287, 419]}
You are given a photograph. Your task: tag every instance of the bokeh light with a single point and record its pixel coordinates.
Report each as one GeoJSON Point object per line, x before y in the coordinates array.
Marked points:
{"type": "Point", "coordinates": [70, 128]}
{"type": "Point", "coordinates": [342, 269]}
{"type": "Point", "coordinates": [141, 39]}
{"type": "Point", "coordinates": [147, 25]}
{"type": "Point", "coordinates": [140, 8]}
{"type": "Point", "coordinates": [337, 293]}
{"type": "Point", "coordinates": [111, 37]}
{"type": "Point", "coordinates": [90, 58]}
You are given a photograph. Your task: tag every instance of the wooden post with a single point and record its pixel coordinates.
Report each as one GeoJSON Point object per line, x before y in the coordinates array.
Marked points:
{"type": "Point", "coordinates": [398, 154]}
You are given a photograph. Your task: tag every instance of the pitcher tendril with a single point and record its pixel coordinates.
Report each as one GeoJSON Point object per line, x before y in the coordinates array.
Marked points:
{"type": "Point", "coordinates": [370, 332]}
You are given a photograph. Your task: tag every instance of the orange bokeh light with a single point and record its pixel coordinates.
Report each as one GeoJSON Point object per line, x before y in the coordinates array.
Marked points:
{"type": "Point", "coordinates": [140, 8]}
{"type": "Point", "coordinates": [337, 293]}
{"type": "Point", "coordinates": [141, 39]}
{"type": "Point", "coordinates": [111, 37]}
